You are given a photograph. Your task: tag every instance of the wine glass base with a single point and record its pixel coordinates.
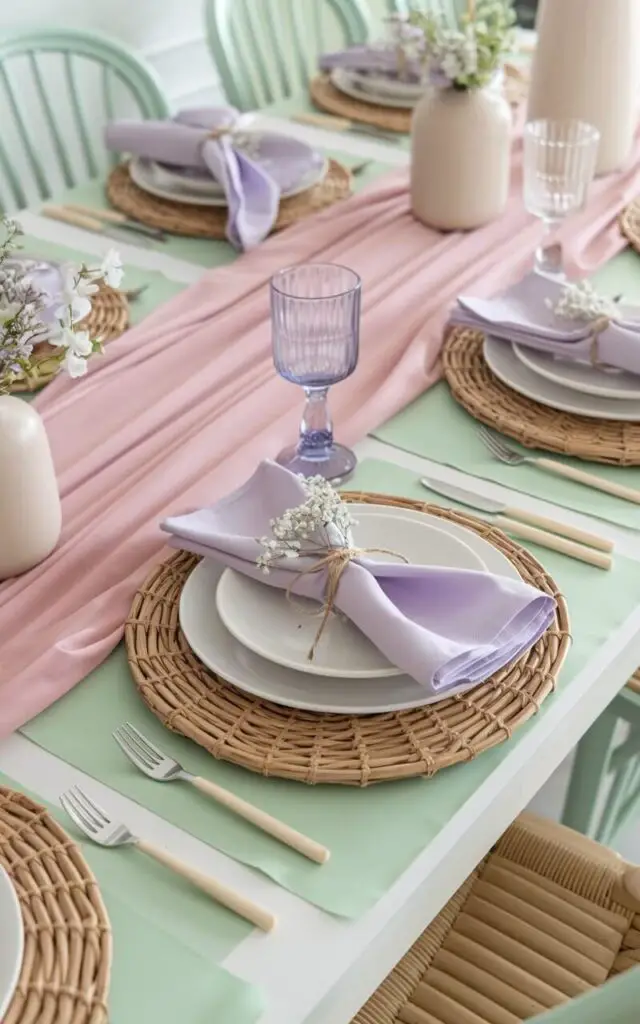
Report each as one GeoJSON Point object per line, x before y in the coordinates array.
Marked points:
{"type": "Point", "coordinates": [337, 465]}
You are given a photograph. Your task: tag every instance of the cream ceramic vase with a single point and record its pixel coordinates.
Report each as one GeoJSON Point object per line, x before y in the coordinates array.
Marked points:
{"type": "Point", "coordinates": [587, 66]}
{"type": "Point", "coordinates": [460, 157]}
{"type": "Point", "coordinates": [30, 513]}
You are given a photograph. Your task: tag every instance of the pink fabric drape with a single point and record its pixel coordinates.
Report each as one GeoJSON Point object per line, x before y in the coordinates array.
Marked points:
{"type": "Point", "coordinates": [181, 408]}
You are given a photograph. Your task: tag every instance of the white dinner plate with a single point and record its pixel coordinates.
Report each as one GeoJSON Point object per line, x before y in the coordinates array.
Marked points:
{"type": "Point", "coordinates": [11, 941]}
{"type": "Point", "coordinates": [157, 181]}
{"type": "Point", "coordinates": [389, 88]}
{"type": "Point", "coordinates": [581, 376]}
{"type": "Point", "coordinates": [282, 629]}
{"type": "Point", "coordinates": [223, 654]}
{"type": "Point", "coordinates": [507, 367]}
{"type": "Point", "coordinates": [352, 84]}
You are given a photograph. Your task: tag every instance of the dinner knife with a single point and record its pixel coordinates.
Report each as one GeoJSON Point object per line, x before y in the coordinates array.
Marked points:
{"type": "Point", "coordinates": [530, 526]}
{"type": "Point", "coordinates": [81, 220]}
{"type": "Point", "coordinates": [331, 122]}
{"type": "Point", "coordinates": [118, 218]}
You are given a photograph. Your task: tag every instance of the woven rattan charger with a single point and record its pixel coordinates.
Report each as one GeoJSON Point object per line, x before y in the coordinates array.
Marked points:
{"type": "Point", "coordinates": [630, 224]}
{"type": "Point", "coordinates": [108, 319]}
{"type": "Point", "coordinates": [327, 97]}
{"type": "Point", "coordinates": [535, 426]}
{"type": "Point", "coordinates": [211, 221]}
{"type": "Point", "coordinates": [310, 747]}
{"type": "Point", "coordinates": [67, 952]}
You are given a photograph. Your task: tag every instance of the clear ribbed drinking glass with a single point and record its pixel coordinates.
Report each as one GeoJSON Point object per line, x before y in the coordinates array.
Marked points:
{"type": "Point", "coordinates": [559, 164]}
{"type": "Point", "coordinates": [315, 322]}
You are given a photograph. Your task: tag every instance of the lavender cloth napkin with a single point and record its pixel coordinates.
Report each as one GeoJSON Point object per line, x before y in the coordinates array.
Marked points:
{"type": "Point", "coordinates": [444, 627]}
{"type": "Point", "coordinates": [370, 60]}
{"type": "Point", "coordinates": [523, 315]}
{"type": "Point", "coordinates": [252, 195]}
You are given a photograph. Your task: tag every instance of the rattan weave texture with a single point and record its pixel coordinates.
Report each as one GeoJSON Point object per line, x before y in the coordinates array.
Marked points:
{"type": "Point", "coordinates": [67, 954]}
{"type": "Point", "coordinates": [535, 426]}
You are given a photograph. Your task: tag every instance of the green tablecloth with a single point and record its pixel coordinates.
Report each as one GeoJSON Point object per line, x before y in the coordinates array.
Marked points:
{"type": "Point", "coordinates": [437, 428]}
{"type": "Point", "coordinates": [204, 252]}
{"type": "Point", "coordinates": [397, 820]}
{"type": "Point", "coordinates": [168, 940]}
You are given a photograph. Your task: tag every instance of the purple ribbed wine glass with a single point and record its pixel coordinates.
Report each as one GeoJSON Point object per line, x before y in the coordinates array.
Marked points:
{"type": "Point", "coordinates": [315, 319]}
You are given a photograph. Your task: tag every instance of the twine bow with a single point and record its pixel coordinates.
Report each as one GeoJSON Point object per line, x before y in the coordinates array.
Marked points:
{"type": "Point", "coordinates": [334, 561]}
{"type": "Point", "coordinates": [217, 133]}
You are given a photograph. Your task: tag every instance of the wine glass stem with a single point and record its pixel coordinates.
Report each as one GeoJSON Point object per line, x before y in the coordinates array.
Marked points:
{"type": "Point", "coordinates": [548, 258]}
{"type": "Point", "coordinates": [316, 428]}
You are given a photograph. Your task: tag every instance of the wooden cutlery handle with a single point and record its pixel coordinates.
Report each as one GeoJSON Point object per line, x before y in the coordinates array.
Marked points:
{"type": "Point", "coordinates": [228, 897]}
{"type": "Point", "coordinates": [79, 220]}
{"type": "Point", "coordinates": [329, 121]}
{"type": "Point", "coordinates": [112, 216]}
{"type": "Point", "coordinates": [553, 542]}
{"type": "Point", "coordinates": [592, 540]}
{"type": "Point", "coordinates": [589, 479]}
{"type": "Point", "coordinates": [308, 847]}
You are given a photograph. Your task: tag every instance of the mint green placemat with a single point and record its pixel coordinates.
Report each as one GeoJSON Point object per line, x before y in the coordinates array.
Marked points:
{"type": "Point", "coordinates": [206, 252]}
{"type": "Point", "coordinates": [158, 288]}
{"type": "Point", "coordinates": [436, 427]}
{"type": "Point", "coordinates": [167, 940]}
{"type": "Point", "coordinates": [373, 834]}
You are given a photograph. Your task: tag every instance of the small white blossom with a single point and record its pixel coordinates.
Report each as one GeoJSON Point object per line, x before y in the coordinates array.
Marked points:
{"type": "Point", "coordinates": [75, 365]}
{"type": "Point", "coordinates": [9, 310]}
{"type": "Point", "coordinates": [581, 301]}
{"type": "Point", "coordinates": [111, 269]}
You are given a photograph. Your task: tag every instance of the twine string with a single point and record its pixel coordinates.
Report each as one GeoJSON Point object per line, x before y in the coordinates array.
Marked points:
{"type": "Point", "coordinates": [598, 326]}
{"type": "Point", "coordinates": [334, 562]}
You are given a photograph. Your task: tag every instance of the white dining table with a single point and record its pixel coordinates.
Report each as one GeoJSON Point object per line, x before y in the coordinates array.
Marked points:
{"type": "Point", "coordinates": [316, 968]}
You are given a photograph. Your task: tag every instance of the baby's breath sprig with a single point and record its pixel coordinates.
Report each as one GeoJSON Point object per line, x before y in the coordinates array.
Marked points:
{"type": "Point", "coordinates": [580, 301]}
{"type": "Point", "coordinates": [320, 523]}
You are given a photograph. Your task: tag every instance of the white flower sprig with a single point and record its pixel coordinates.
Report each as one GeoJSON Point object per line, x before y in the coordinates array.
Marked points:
{"type": "Point", "coordinates": [22, 326]}
{"type": "Point", "coordinates": [466, 54]}
{"type": "Point", "coordinates": [581, 301]}
{"type": "Point", "coordinates": [320, 523]}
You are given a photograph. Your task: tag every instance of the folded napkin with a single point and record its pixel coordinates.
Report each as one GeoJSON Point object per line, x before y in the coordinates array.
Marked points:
{"type": "Point", "coordinates": [447, 628]}
{"type": "Point", "coordinates": [371, 60]}
{"type": "Point", "coordinates": [524, 314]}
{"type": "Point", "coordinates": [204, 139]}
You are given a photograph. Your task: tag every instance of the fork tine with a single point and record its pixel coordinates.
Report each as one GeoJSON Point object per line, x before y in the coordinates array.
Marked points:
{"type": "Point", "coordinates": [495, 446]}
{"type": "Point", "coordinates": [153, 750]}
{"type": "Point", "coordinates": [131, 750]}
{"type": "Point", "coordinates": [68, 804]}
{"type": "Point", "coordinates": [91, 807]}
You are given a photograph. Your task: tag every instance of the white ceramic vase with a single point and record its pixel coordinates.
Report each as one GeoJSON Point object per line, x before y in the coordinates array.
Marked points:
{"type": "Point", "coordinates": [30, 513]}
{"type": "Point", "coordinates": [460, 157]}
{"type": "Point", "coordinates": [587, 66]}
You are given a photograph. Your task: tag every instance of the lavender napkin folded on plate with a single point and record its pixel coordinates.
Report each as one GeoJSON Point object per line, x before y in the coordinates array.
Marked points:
{"type": "Point", "coordinates": [189, 141]}
{"type": "Point", "coordinates": [524, 314]}
{"type": "Point", "coordinates": [369, 60]}
{"type": "Point", "coordinates": [444, 627]}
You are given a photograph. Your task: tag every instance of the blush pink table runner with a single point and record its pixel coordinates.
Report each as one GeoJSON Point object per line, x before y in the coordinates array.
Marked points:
{"type": "Point", "coordinates": [182, 407]}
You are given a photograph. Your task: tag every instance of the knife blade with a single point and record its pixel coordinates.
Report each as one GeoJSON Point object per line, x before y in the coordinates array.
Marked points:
{"type": "Point", "coordinates": [509, 517]}
{"type": "Point", "coordinates": [119, 219]}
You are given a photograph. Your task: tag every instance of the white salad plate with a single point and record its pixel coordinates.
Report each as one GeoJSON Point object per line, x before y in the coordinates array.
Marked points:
{"type": "Point", "coordinates": [507, 367]}
{"type": "Point", "coordinates": [223, 654]}
{"type": "Point", "coordinates": [369, 89]}
{"type": "Point", "coordinates": [581, 376]}
{"type": "Point", "coordinates": [282, 629]}
{"type": "Point", "coordinates": [11, 941]}
{"type": "Point", "coordinates": [197, 189]}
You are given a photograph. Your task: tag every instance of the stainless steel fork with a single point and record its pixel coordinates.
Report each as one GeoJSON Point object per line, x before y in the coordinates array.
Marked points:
{"type": "Point", "coordinates": [159, 766]}
{"type": "Point", "coordinates": [510, 457]}
{"type": "Point", "coordinates": [101, 828]}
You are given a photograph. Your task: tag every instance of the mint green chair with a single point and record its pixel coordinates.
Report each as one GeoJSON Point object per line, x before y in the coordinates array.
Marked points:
{"type": "Point", "coordinates": [267, 51]}
{"type": "Point", "coordinates": [49, 116]}
{"type": "Point", "coordinates": [604, 787]}
{"type": "Point", "coordinates": [617, 1002]}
